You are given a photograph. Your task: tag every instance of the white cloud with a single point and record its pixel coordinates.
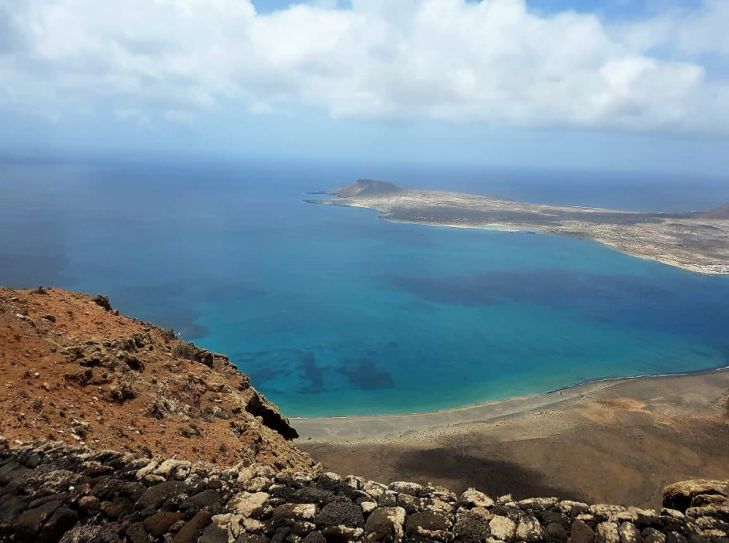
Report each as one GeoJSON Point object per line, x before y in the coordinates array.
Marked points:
{"type": "Point", "coordinates": [451, 60]}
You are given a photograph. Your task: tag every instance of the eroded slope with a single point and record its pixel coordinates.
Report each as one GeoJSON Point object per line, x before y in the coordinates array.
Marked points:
{"type": "Point", "coordinates": [73, 370]}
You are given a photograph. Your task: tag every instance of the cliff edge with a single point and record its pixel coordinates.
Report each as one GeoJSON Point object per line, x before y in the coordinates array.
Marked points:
{"type": "Point", "coordinates": [76, 371]}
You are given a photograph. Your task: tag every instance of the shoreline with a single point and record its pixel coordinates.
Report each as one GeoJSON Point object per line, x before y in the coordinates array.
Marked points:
{"type": "Point", "coordinates": [691, 241]}
{"type": "Point", "coordinates": [384, 427]}
{"type": "Point", "coordinates": [712, 270]}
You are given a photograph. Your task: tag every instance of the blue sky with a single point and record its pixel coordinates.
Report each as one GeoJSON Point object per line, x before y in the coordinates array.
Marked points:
{"type": "Point", "coordinates": [606, 85]}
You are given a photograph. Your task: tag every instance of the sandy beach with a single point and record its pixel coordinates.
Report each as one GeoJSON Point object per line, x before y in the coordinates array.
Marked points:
{"type": "Point", "coordinates": [613, 441]}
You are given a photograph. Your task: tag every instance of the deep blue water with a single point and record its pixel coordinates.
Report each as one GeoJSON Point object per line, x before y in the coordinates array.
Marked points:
{"type": "Point", "coordinates": [331, 311]}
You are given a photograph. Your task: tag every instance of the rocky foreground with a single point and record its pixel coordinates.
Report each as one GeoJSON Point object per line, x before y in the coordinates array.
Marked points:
{"type": "Point", "coordinates": [55, 492]}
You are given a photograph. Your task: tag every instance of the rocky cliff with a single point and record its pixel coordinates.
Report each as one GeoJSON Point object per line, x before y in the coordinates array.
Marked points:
{"type": "Point", "coordinates": [74, 370]}
{"type": "Point", "coordinates": [54, 492]}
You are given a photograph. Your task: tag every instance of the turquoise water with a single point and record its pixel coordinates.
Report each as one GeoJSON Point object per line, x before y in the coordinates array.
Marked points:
{"type": "Point", "coordinates": [333, 312]}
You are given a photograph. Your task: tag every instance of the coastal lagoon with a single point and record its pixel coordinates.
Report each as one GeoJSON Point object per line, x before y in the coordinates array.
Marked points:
{"type": "Point", "coordinates": [333, 312]}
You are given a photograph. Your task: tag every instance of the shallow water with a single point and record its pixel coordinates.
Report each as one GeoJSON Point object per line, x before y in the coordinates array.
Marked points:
{"type": "Point", "coordinates": [333, 312]}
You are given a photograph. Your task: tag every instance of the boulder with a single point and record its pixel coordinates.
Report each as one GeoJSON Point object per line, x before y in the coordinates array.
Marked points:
{"type": "Point", "coordinates": [159, 523]}
{"type": "Point", "coordinates": [471, 528]}
{"type": "Point", "coordinates": [581, 532]}
{"type": "Point", "coordinates": [246, 502]}
{"type": "Point", "coordinates": [502, 528]}
{"type": "Point", "coordinates": [385, 524]}
{"type": "Point", "coordinates": [529, 530]}
{"type": "Point", "coordinates": [607, 532]}
{"type": "Point", "coordinates": [340, 513]}
{"type": "Point", "coordinates": [427, 524]}
{"type": "Point", "coordinates": [474, 498]}
{"type": "Point", "coordinates": [629, 533]}
{"type": "Point", "coordinates": [680, 495]}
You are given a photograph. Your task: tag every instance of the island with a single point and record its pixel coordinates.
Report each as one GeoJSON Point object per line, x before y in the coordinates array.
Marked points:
{"type": "Point", "coordinates": [693, 240]}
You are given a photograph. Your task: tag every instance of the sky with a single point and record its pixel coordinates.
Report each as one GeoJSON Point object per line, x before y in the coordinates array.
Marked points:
{"type": "Point", "coordinates": [639, 85]}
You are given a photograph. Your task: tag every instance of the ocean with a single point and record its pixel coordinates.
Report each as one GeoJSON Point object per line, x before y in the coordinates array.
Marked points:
{"type": "Point", "coordinates": [333, 312]}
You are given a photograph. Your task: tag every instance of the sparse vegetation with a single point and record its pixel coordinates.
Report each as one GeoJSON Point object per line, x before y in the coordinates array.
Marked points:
{"type": "Point", "coordinates": [185, 349]}
{"type": "Point", "coordinates": [190, 431]}
{"type": "Point", "coordinates": [102, 301]}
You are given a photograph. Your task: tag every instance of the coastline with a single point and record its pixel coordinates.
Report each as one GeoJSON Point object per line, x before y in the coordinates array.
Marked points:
{"type": "Point", "coordinates": [384, 427]}
{"type": "Point", "coordinates": [708, 269]}
{"type": "Point", "coordinates": [613, 441]}
{"type": "Point", "coordinates": [692, 241]}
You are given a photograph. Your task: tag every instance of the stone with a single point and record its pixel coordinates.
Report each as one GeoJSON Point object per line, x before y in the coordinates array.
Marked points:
{"type": "Point", "coordinates": [160, 522]}
{"type": "Point", "coordinates": [581, 532]}
{"type": "Point", "coordinates": [257, 484]}
{"type": "Point", "coordinates": [425, 522]}
{"type": "Point", "coordinates": [136, 533]}
{"type": "Point", "coordinates": [404, 487]}
{"type": "Point", "coordinates": [156, 495]}
{"type": "Point", "coordinates": [387, 499]}
{"type": "Point", "coordinates": [190, 532]}
{"type": "Point", "coordinates": [303, 527]}
{"type": "Point", "coordinates": [312, 494]}
{"type": "Point", "coordinates": [207, 499]}
{"type": "Point", "coordinates": [555, 533]}
{"type": "Point", "coordinates": [385, 523]}
{"type": "Point", "coordinates": [214, 534]}
{"type": "Point", "coordinates": [720, 511]}
{"type": "Point", "coordinates": [342, 533]}
{"type": "Point", "coordinates": [178, 469]}
{"type": "Point", "coordinates": [474, 498]}
{"type": "Point", "coordinates": [651, 535]}
{"type": "Point", "coordinates": [537, 504]}
{"type": "Point", "coordinates": [411, 504]}
{"type": "Point", "coordinates": [374, 489]}
{"type": "Point", "coordinates": [246, 502]}
{"type": "Point", "coordinates": [502, 528]}
{"type": "Point", "coordinates": [529, 530]}
{"type": "Point", "coordinates": [117, 508]}
{"type": "Point", "coordinates": [471, 528]}
{"type": "Point", "coordinates": [675, 537]}
{"type": "Point", "coordinates": [329, 481]}
{"type": "Point", "coordinates": [252, 525]}
{"type": "Point", "coordinates": [629, 533]}
{"type": "Point", "coordinates": [604, 512]}
{"type": "Point", "coordinates": [294, 512]}
{"type": "Point", "coordinates": [60, 522]}
{"type": "Point", "coordinates": [368, 507]}
{"type": "Point", "coordinates": [679, 495]}
{"type": "Point", "coordinates": [338, 513]}
{"type": "Point", "coordinates": [88, 504]}
{"type": "Point", "coordinates": [314, 537]}
{"type": "Point", "coordinates": [30, 522]}
{"type": "Point", "coordinates": [607, 532]}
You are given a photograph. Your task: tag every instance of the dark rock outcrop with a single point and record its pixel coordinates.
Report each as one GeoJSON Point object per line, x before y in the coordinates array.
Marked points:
{"type": "Point", "coordinates": [53, 492]}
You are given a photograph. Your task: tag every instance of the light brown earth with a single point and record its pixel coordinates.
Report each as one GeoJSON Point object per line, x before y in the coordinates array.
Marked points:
{"type": "Point", "coordinates": [73, 371]}
{"type": "Point", "coordinates": [614, 442]}
{"type": "Point", "coordinates": [695, 241]}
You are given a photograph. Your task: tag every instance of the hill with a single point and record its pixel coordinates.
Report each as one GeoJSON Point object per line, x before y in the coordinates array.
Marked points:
{"type": "Point", "coordinates": [76, 371]}
{"type": "Point", "coordinates": [721, 212]}
{"type": "Point", "coordinates": [365, 187]}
